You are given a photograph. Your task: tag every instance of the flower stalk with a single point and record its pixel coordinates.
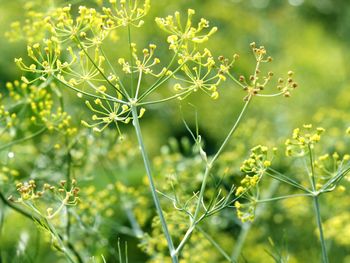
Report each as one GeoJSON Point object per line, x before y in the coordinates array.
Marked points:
{"type": "Point", "coordinates": [151, 183]}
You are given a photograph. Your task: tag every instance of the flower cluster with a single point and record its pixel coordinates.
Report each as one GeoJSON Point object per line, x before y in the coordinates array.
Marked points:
{"type": "Point", "coordinates": [65, 194]}
{"type": "Point", "coordinates": [126, 13]}
{"type": "Point", "coordinates": [286, 86]}
{"type": "Point", "coordinates": [43, 111]}
{"type": "Point", "coordinates": [46, 60]}
{"type": "Point", "coordinates": [254, 168]}
{"type": "Point", "coordinates": [106, 113]}
{"type": "Point", "coordinates": [303, 140]}
{"type": "Point", "coordinates": [258, 161]}
{"type": "Point", "coordinates": [257, 83]}
{"type": "Point", "coordinates": [330, 163]}
{"type": "Point", "coordinates": [142, 65]}
{"type": "Point", "coordinates": [84, 71]}
{"type": "Point", "coordinates": [200, 73]}
{"type": "Point", "coordinates": [87, 27]}
{"type": "Point", "coordinates": [182, 35]}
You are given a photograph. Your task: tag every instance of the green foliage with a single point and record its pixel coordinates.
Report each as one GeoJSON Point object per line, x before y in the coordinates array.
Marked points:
{"type": "Point", "coordinates": [95, 72]}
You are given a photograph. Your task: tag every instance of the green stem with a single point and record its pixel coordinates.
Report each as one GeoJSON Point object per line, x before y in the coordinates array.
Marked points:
{"type": "Point", "coordinates": [23, 139]}
{"type": "Point", "coordinates": [282, 198]}
{"type": "Point", "coordinates": [106, 98]}
{"type": "Point", "coordinates": [131, 62]}
{"type": "Point", "coordinates": [233, 129]}
{"type": "Point", "coordinates": [205, 179]}
{"type": "Point", "coordinates": [152, 185]}
{"type": "Point", "coordinates": [320, 229]}
{"type": "Point", "coordinates": [215, 244]}
{"type": "Point", "coordinates": [160, 80]}
{"type": "Point", "coordinates": [248, 225]}
{"type": "Point", "coordinates": [38, 220]}
{"type": "Point", "coordinates": [115, 73]}
{"type": "Point", "coordinates": [216, 156]}
{"type": "Point", "coordinates": [176, 96]}
{"type": "Point", "coordinates": [68, 178]}
{"type": "Point", "coordinates": [66, 251]}
{"type": "Point", "coordinates": [201, 193]}
{"type": "Point", "coordinates": [98, 68]}
{"type": "Point", "coordinates": [138, 84]}
{"type": "Point", "coordinates": [241, 240]}
{"type": "Point", "coordinates": [313, 179]}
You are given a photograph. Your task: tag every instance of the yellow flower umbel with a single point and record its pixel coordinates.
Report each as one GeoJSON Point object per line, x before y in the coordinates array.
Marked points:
{"type": "Point", "coordinates": [144, 64]}
{"type": "Point", "coordinates": [254, 168]}
{"type": "Point", "coordinates": [181, 36]}
{"type": "Point", "coordinates": [125, 13]}
{"type": "Point", "coordinates": [198, 73]}
{"type": "Point", "coordinates": [303, 140]}
{"type": "Point", "coordinates": [86, 26]}
{"type": "Point", "coordinates": [45, 60]}
{"type": "Point", "coordinates": [106, 113]}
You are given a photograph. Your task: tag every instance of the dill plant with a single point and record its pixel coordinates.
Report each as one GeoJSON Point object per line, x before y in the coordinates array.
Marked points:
{"type": "Point", "coordinates": [71, 55]}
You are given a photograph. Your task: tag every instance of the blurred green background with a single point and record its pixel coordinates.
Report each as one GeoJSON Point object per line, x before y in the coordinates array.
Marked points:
{"type": "Point", "coordinates": [309, 37]}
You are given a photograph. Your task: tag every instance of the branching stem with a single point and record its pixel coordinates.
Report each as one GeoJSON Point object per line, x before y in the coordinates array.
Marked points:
{"type": "Point", "coordinates": [152, 185]}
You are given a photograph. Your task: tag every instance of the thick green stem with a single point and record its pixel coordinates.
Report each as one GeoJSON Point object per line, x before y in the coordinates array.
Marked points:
{"type": "Point", "coordinates": [152, 185]}
{"type": "Point", "coordinates": [320, 229]}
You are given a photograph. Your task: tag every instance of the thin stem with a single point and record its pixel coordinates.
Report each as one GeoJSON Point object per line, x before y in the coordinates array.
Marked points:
{"type": "Point", "coordinates": [131, 61]}
{"type": "Point", "coordinates": [107, 98]}
{"type": "Point", "coordinates": [282, 198]}
{"type": "Point", "coordinates": [17, 209]}
{"type": "Point", "coordinates": [247, 226]}
{"type": "Point", "coordinates": [138, 84]}
{"type": "Point", "coordinates": [23, 139]}
{"type": "Point", "coordinates": [209, 165]}
{"type": "Point", "coordinates": [270, 95]}
{"type": "Point", "coordinates": [176, 96]}
{"type": "Point", "coordinates": [36, 219]}
{"type": "Point", "coordinates": [235, 80]}
{"type": "Point", "coordinates": [68, 178]}
{"type": "Point", "coordinates": [152, 185]}
{"type": "Point", "coordinates": [201, 193]}
{"type": "Point", "coordinates": [241, 240]}
{"type": "Point", "coordinates": [60, 241]}
{"type": "Point", "coordinates": [133, 222]}
{"type": "Point", "coordinates": [115, 73]}
{"type": "Point", "coordinates": [184, 239]}
{"type": "Point", "coordinates": [233, 129]}
{"type": "Point", "coordinates": [215, 244]}
{"type": "Point", "coordinates": [160, 80]}
{"type": "Point", "coordinates": [320, 229]}
{"type": "Point", "coordinates": [336, 179]}
{"type": "Point", "coordinates": [287, 181]}
{"type": "Point", "coordinates": [98, 68]}
{"type": "Point", "coordinates": [313, 180]}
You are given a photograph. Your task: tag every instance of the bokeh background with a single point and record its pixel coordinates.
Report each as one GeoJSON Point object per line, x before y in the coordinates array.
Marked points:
{"type": "Point", "coordinates": [309, 37]}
